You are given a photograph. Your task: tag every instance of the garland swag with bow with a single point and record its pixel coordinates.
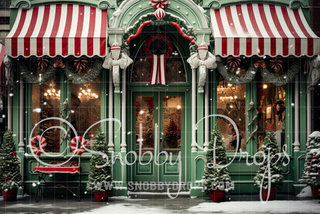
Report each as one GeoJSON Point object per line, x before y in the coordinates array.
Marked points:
{"type": "Point", "coordinates": [53, 67]}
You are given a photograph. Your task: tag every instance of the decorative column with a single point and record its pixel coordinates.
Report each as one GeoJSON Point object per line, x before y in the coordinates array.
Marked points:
{"type": "Point", "coordinates": [193, 108]}
{"type": "Point", "coordinates": [203, 60]}
{"type": "Point", "coordinates": [9, 77]}
{"type": "Point", "coordinates": [296, 116]}
{"type": "Point", "coordinates": [9, 109]}
{"type": "Point", "coordinates": [308, 110]}
{"type": "Point", "coordinates": [114, 61]}
{"type": "Point", "coordinates": [21, 117]}
{"type": "Point", "coordinates": [206, 114]}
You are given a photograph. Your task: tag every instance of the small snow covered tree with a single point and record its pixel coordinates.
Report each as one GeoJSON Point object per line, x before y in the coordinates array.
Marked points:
{"type": "Point", "coordinates": [216, 177]}
{"type": "Point", "coordinates": [10, 175]}
{"type": "Point", "coordinates": [99, 178]}
{"type": "Point", "coordinates": [312, 161]}
{"type": "Point", "coordinates": [270, 162]}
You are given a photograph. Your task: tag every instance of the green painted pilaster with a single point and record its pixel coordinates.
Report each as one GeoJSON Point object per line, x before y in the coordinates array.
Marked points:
{"type": "Point", "coordinates": [200, 115]}
{"type": "Point", "coordinates": [28, 115]}
{"type": "Point", "coordinates": [104, 105]}
{"type": "Point", "coordinates": [15, 114]}
{"type": "Point", "coordinates": [303, 111]}
{"type": "Point", "coordinates": [213, 74]}
{"type": "Point", "coordinates": [188, 127]}
{"type": "Point", "coordinates": [289, 117]}
{"type": "Point", "coordinates": [65, 88]}
{"type": "Point", "coordinates": [251, 94]}
{"type": "Point", "coordinates": [117, 115]}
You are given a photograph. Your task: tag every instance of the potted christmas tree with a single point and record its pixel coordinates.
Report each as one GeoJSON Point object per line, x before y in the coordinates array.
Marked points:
{"type": "Point", "coordinates": [311, 165]}
{"type": "Point", "coordinates": [10, 175]}
{"type": "Point", "coordinates": [100, 179]}
{"type": "Point", "coordinates": [216, 179]}
{"type": "Point", "coordinates": [261, 180]}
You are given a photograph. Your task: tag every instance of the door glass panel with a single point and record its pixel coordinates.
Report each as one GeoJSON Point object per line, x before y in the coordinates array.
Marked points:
{"type": "Point", "coordinates": [145, 116]}
{"type": "Point", "coordinates": [171, 123]}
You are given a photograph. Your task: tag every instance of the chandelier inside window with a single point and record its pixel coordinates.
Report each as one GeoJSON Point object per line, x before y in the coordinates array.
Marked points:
{"type": "Point", "coordinates": [86, 93]}
{"type": "Point", "coordinates": [52, 92]}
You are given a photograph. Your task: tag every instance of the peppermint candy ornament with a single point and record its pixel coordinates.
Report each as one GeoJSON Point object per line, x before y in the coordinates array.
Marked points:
{"type": "Point", "coordinates": [159, 4]}
{"type": "Point", "coordinates": [75, 150]}
{"type": "Point", "coordinates": [160, 13]}
{"type": "Point", "coordinates": [233, 62]}
{"type": "Point", "coordinates": [276, 63]}
{"type": "Point", "coordinates": [43, 63]}
{"type": "Point", "coordinates": [58, 63]}
{"type": "Point", "coordinates": [260, 64]}
{"type": "Point", "coordinates": [41, 141]}
{"type": "Point", "coordinates": [80, 64]}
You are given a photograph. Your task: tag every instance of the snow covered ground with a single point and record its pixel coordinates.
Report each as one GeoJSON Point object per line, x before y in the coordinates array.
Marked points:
{"type": "Point", "coordinates": [255, 207]}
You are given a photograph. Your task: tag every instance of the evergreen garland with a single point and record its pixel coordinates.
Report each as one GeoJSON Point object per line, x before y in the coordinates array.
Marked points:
{"type": "Point", "coordinates": [10, 175]}
{"type": "Point", "coordinates": [275, 168]}
{"type": "Point", "coordinates": [312, 161]}
{"type": "Point", "coordinates": [216, 177]}
{"type": "Point", "coordinates": [99, 175]}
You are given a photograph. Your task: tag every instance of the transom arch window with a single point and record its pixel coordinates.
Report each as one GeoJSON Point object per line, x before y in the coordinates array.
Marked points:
{"type": "Point", "coordinates": [142, 65]}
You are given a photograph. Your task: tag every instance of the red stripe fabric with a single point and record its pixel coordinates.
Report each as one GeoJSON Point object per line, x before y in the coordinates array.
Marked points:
{"type": "Point", "coordinates": [256, 30]}
{"type": "Point", "coordinates": [273, 47]}
{"type": "Point", "coordinates": [30, 31]}
{"type": "Point", "coordinates": [52, 39]}
{"type": "Point", "coordinates": [223, 34]}
{"type": "Point", "coordinates": [14, 40]}
{"type": "Point", "coordinates": [42, 31]}
{"type": "Point", "coordinates": [103, 34]}
{"type": "Point", "coordinates": [236, 41]}
{"type": "Point", "coordinates": [92, 23]}
{"type": "Point", "coordinates": [285, 41]}
{"type": "Point", "coordinates": [305, 32]}
{"type": "Point", "coordinates": [245, 30]}
{"type": "Point", "coordinates": [66, 32]}
{"type": "Point", "coordinates": [77, 39]}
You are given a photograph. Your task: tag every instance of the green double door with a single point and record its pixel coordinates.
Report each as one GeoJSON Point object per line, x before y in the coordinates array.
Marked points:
{"type": "Point", "coordinates": [158, 137]}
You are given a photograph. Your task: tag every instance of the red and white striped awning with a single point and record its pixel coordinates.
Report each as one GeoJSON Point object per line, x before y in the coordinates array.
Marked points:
{"type": "Point", "coordinates": [61, 29]}
{"type": "Point", "coordinates": [2, 52]}
{"type": "Point", "coordinates": [262, 29]}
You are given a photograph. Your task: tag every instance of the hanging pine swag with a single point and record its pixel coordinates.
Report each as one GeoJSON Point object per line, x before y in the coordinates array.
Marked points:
{"type": "Point", "coordinates": [35, 74]}
{"type": "Point", "coordinates": [90, 73]}
{"type": "Point", "coordinates": [151, 17]}
{"type": "Point", "coordinates": [275, 76]}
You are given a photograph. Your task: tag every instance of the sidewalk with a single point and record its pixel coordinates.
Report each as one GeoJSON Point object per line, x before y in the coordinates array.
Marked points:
{"type": "Point", "coordinates": [155, 204]}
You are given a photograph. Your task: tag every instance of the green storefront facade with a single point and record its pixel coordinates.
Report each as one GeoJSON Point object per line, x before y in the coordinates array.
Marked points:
{"type": "Point", "coordinates": [170, 115]}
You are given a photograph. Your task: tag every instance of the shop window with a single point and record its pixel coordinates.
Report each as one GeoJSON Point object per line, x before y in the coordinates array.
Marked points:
{"type": "Point", "coordinates": [46, 104]}
{"type": "Point", "coordinates": [175, 71]}
{"type": "Point", "coordinates": [231, 102]}
{"type": "Point", "coordinates": [85, 109]}
{"type": "Point", "coordinates": [271, 107]}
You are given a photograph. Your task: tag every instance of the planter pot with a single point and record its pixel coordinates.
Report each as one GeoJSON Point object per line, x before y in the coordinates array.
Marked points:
{"type": "Point", "coordinates": [217, 195]}
{"type": "Point", "coordinates": [315, 191]}
{"type": "Point", "coordinates": [101, 196]}
{"type": "Point", "coordinates": [271, 196]}
{"type": "Point", "coordinates": [10, 195]}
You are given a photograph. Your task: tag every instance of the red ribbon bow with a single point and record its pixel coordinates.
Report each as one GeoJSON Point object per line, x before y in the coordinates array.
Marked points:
{"type": "Point", "coordinates": [276, 63]}
{"type": "Point", "coordinates": [80, 64]}
{"type": "Point", "coordinates": [58, 63]}
{"type": "Point", "coordinates": [260, 64]}
{"type": "Point", "coordinates": [43, 63]}
{"type": "Point", "coordinates": [233, 62]}
{"type": "Point", "coordinates": [159, 4]}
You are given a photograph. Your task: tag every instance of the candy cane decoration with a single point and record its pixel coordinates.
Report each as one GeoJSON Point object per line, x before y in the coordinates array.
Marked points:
{"type": "Point", "coordinates": [43, 63]}
{"type": "Point", "coordinates": [80, 64]}
{"type": "Point", "coordinates": [233, 62]}
{"type": "Point", "coordinates": [159, 4]}
{"type": "Point", "coordinates": [42, 144]}
{"type": "Point", "coordinates": [276, 63]}
{"type": "Point", "coordinates": [73, 145]}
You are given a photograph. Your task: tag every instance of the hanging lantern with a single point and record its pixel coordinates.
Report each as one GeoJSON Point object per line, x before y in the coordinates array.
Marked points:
{"type": "Point", "coordinates": [80, 64]}
{"type": "Point", "coordinates": [115, 51]}
{"type": "Point", "coordinates": [159, 4]}
{"type": "Point", "coordinates": [276, 63]}
{"type": "Point", "coordinates": [160, 13]}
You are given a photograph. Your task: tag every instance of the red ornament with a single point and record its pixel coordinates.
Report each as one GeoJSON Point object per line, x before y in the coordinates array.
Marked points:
{"type": "Point", "coordinates": [80, 64]}
{"type": "Point", "coordinates": [7, 179]}
{"type": "Point", "coordinates": [159, 13]}
{"type": "Point", "coordinates": [271, 127]}
{"type": "Point", "coordinates": [43, 63]}
{"type": "Point", "coordinates": [159, 4]}
{"type": "Point", "coordinates": [233, 62]}
{"type": "Point", "coordinates": [58, 63]}
{"type": "Point", "coordinates": [276, 63]}
{"type": "Point", "coordinates": [14, 153]}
